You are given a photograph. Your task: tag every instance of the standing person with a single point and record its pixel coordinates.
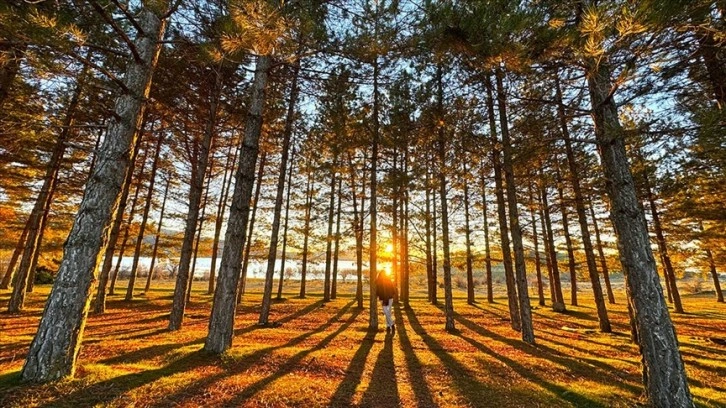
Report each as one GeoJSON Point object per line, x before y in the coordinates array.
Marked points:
{"type": "Point", "coordinates": [386, 290]}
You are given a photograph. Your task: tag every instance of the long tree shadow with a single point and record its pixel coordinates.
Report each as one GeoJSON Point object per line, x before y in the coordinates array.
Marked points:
{"type": "Point", "coordinates": [346, 389]}
{"type": "Point", "coordinates": [561, 392]}
{"type": "Point", "coordinates": [593, 369]}
{"type": "Point", "coordinates": [382, 389]}
{"type": "Point", "coordinates": [469, 387]}
{"type": "Point", "coordinates": [244, 363]}
{"type": "Point", "coordinates": [103, 392]}
{"type": "Point", "coordinates": [160, 349]}
{"type": "Point", "coordinates": [423, 395]}
{"type": "Point", "coordinates": [290, 364]}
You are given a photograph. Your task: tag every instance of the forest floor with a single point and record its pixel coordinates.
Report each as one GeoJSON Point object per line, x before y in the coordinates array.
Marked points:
{"type": "Point", "coordinates": [323, 355]}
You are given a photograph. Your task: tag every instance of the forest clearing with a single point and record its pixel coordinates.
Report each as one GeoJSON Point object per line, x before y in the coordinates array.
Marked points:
{"type": "Point", "coordinates": [362, 203]}
{"type": "Point", "coordinates": [322, 355]}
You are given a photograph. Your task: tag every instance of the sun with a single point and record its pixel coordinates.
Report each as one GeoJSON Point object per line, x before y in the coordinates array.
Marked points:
{"type": "Point", "coordinates": [388, 249]}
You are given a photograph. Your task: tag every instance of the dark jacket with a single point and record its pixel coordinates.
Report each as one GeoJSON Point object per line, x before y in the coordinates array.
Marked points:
{"type": "Point", "coordinates": [385, 289]}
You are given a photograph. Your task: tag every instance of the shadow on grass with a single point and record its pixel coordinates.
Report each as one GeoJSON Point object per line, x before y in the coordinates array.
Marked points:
{"type": "Point", "coordinates": [413, 364]}
{"type": "Point", "coordinates": [382, 389]}
{"type": "Point", "coordinates": [161, 349]}
{"type": "Point", "coordinates": [242, 364]}
{"type": "Point", "coordinates": [294, 361]}
{"type": "Point", "coordinates": [103, 392]}
{"type": "Point", "coordinates": [476, 392]}
{"type": "Point", "coordinates": [592, 369]}
{"type": "Point", "coordinates": [343, 395]}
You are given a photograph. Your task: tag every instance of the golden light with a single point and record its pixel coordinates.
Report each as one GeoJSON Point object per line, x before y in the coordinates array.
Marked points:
{"type": "Point", "coordinates": [389, 249]}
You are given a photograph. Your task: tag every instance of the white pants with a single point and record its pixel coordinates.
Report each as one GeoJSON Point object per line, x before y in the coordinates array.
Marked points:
{"type": "Point", "coordinates": [387, 310]}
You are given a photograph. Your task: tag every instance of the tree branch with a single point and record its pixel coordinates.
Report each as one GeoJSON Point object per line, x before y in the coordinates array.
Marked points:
{"type": "Point", "coordinates": [117, 29]}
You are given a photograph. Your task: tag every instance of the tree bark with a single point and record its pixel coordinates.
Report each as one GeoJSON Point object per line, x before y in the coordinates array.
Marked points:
{"type": "Point", "coordinates": [665, 378]}
{"type": "Point", "coordinates": [525, 308]}
{"type": "Point", "coordinates": [501, 210]}
{"type": "Point", "coordinates": [221, 322]}
{"type": "Point", "coordinates": [54, 349]}
{"type": "Point", "coordinates": [602, 312]}
{"type": "Point", "coordinates": [156, 237]}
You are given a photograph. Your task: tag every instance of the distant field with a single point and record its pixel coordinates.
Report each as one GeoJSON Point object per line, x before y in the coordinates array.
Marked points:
{"type": "Point", "coordinates": [323, 355]}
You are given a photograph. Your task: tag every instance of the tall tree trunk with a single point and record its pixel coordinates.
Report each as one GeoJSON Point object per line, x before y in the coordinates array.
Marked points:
{"type": "Point", "coordinates": [373, 245]}
{"type": "Point", "coordinates": [221, 322]}
{"type": "Point", "coordinates": [196, 189]}
{"type": "Point", "coordinates": [41, 231]}
{"type": "Point", "coordinates": [99, 305]}
{"type": "Point", "coordinates": [221, 209]}
{"type": "Point", "coordinates": [329, 237]}
{"type": "Point", "coordinates": [336, 251]}
{"type": "Point", "coordinates": [358, 230]}
{"type": "Point", "coordinates": [469, 257]}
{"type": "Point", "coordinates": [427, 226]}
{"type": "Point", "coordinates": [442, 170]}
{"type": "Point", "coordinates": [306, 233]}
{"type": "Point", "coordinates": [55, 347]}
{"type": "Point", "coordinates": [525, 308]}
{"type": "Point", "coordinates": [665, 380]}
{"type": "Point", "coordinates": [434, 245]}
{"type": "Point", "coordinates": [558, 301]}
{"type": "Point", "coordinates": [545, 242]}
{"type": "Point", "coordinates": [198, 239]}
{"type": "Point", "coordinates": [127, 231]}
{"type": "Point", "coordinates": [601, 254]}
{"type": "Point", "coordinates": [568, 239]}
{"type": "Point", "coordinates": [242, 284]}
{"type": "Point", "coordinates": [44, 199]}
{"type": "Point", "coordinates": [395, 270]}
{"type": "Point", "coordinates": [602, 312]}
{"type": "Point", "coordinates": [10, 272]}
{"type": "Point", "coordinates": [487, 249]}
{"type": "Point", "coordinates": [535, 239]}
{"type": "Point", "coordinates": [275, 233]}
{"type": "Point", "coordinates": [502, 214]}
{"type": "Point", "coordinates": [144, 218]}
{"type": "Point", "coordinates": [670, 275]}
{"type": "Point", "coordinates": [155, 251]}
{"type": "Point", "coordinates": [284, 227]}
{"type": "Point", "coordinates": [404, 232]}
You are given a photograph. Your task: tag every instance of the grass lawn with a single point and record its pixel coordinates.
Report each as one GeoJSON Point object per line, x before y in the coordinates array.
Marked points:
{"type": "Point", "coordinates": [323, 355]}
